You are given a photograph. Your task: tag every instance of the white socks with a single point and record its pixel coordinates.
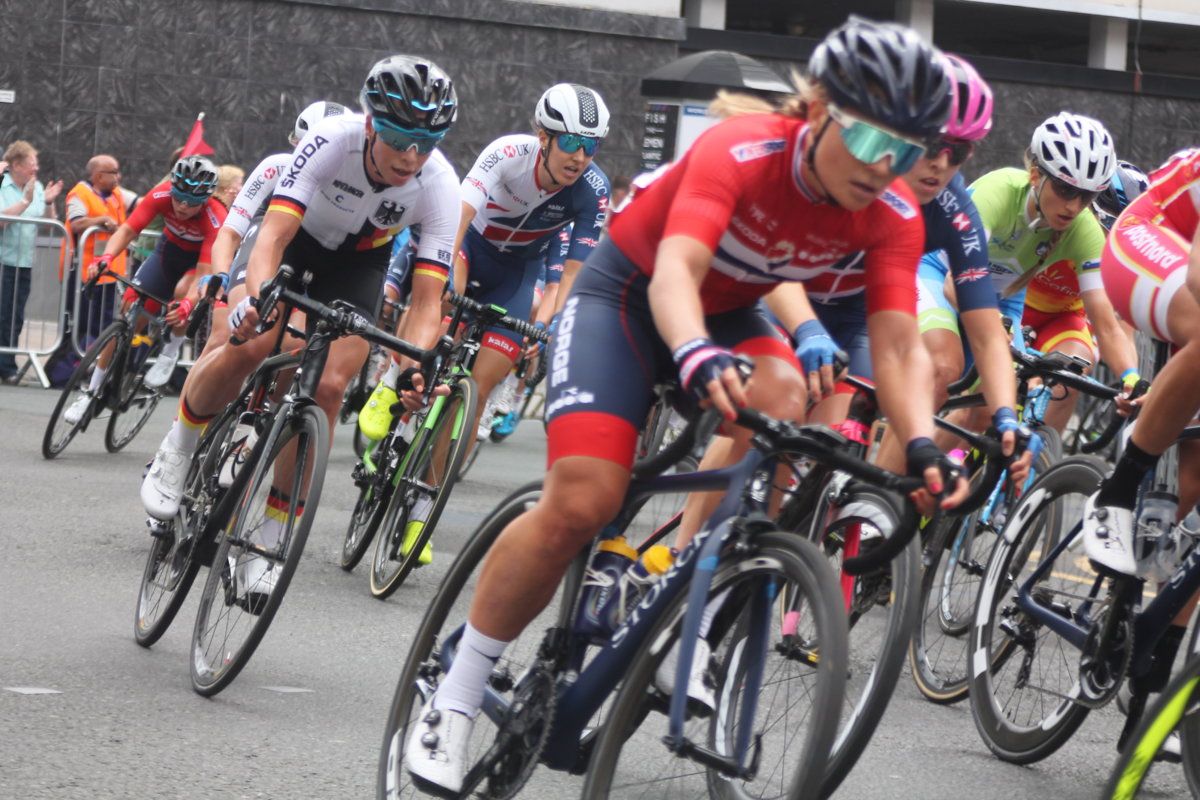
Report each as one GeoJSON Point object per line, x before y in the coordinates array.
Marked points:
{"type": "Point", "coordinates": [462, 690]}
{"type": "Point", "coordinates": [98, 374]}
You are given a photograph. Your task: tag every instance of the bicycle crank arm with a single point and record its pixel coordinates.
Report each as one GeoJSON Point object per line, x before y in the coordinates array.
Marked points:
{"type": "Point", "coordinates": [729, 767]}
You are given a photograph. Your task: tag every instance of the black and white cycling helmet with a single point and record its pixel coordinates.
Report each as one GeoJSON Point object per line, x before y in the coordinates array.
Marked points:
{"type": "Point", "coordinates": [1127, 183]}
{"type": "Point", "coordinates": [410, 92]}
{"type": "Point", "coordinates": [195, 176]}
{"type": "Point", "coordinates": [571, 108]}
{"type": "Point", "coordinates": [1077, 150]}
{"type": "Point", "coordinates": [312, 115]}
{"type": "Point", "coordinates": [887, 73]}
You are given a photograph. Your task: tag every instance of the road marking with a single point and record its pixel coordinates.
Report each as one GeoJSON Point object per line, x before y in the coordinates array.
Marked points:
{"type": "Point", "coordinates": [288, 689]}
{"type": "Point", "coordinates": [30, 690]}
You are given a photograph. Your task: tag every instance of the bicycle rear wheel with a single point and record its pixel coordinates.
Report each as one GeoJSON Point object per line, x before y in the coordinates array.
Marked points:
{"type": "Point", "coordinates": [1025, 688]}
{"type": "Point", "coordinates": [172, 563]}
{"type": "Point", "coordinates": [59, 432]}
{"type": "Point", "coordinates": [234, 615]}
{"type": "Point", "coordinates": [956, 553]}
{"type": "Point", "coordinates": [795, 710]}
{"type": "Point", "coordinates": [425, 665]}
{"type": "Point", "coordinates": [429, 471]}
{"type": "Point", "coordinates": [134, 406]}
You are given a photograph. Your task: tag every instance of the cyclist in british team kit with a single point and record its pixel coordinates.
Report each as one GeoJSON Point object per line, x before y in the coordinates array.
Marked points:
{"type": "Point", "coordinates": [229, 256]}
{"type": "Point", "coordinates": [522, 190]}
{"type": "Point", "coordinates": [192, 217]}
{"type": "Point", "coordinates": [757, 200]}
{"type": "Point", "coordinates": [352, 183]}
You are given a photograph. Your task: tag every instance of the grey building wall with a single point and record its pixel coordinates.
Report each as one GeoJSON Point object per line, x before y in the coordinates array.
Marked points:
{"type": "Point", "coordinates": [128, 77]}
{"type": "Point", "coordinates": [1147, 128]}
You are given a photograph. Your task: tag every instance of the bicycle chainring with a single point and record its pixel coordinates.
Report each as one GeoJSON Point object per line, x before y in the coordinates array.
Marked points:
{"type": "Point", "coordinates": [523, 734]}
{"type": "Point", "coordinates": [1101, 673]}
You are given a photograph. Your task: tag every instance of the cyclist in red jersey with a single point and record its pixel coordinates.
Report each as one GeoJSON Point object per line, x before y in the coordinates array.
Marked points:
{"type": "Point", "coordinates": [192, 217]}
{"type": "Point", "coordinates": [757, 200]}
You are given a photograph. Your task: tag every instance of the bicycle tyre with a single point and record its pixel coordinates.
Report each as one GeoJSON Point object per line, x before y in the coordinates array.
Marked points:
{"type": "Point", "coordinates": [421, 668]}
{"type": "Point", "coordinates": [308, 425]}
{"type": "Point", "coordinates": [53, 444]}
{"type": "Point", "coordinates": [1038, 738]}
{"type": "Point", "coordinates": [136, 403]}
{"type": "Point", "coordinates": [1178, 708]}
{"type": "Point", "coordinates": [886, 659]}
{"type": "Point", "coordinates": [369, 510]}
{"type": "Point", "coordinates": [800, 564]}
{"type": "Point", "coordinates": [940, 670]}
{"type": "Point", "coordinates": [155, 611]}
{"type": "Point", "coordinates": [456, 417]}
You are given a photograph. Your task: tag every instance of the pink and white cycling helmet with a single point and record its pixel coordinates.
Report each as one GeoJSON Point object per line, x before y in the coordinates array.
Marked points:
{"type": "Point", "coordinates": [971, 108]}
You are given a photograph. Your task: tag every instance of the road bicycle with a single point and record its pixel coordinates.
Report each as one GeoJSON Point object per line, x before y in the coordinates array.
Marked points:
{"type": "Point", "coordinates": [262, 458]}
{"type": "Point", "coordinates": [777, 641]}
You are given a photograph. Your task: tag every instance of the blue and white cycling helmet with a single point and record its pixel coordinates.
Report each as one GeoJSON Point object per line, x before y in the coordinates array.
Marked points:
{"type": "Point", "coordinates": [1127, 183]}
{"type": "Point", "coordinates": [193, 178]}
{"type": "Point", "coordinates": [571, 108]}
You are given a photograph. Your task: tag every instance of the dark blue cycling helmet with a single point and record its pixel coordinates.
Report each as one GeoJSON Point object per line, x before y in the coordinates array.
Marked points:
{"type": "Point", "coordinates": [1127, 183]}
{"type": "Point", "coordinates": [887, 73]}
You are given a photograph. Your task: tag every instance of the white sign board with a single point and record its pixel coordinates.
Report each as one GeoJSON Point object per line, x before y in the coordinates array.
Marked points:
{"type": "Point", "coordinates": [7, 96]}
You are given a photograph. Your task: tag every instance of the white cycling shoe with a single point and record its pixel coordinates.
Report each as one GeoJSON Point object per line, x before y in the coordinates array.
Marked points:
{"type": "Point", "coordinates": [158, 375]}
{"type": "Point", "coordinates": [1108, 537]}
{"type": "Point", "coordinates": [162, 488]}
{"type": "Point", "coordinates": [76, 410]}
{"type": "Point", "coordinates": [255, 578]}
{"type": "Point", "coordinates": [436, 754]}
{"type": "Point", "coordinates": [701, 691]}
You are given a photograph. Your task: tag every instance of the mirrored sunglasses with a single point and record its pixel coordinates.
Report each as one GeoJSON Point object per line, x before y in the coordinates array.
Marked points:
{"type": "Point", "coordinates": [869, 143]}
{"type": "Point", "coordinates": [188, 199]}
{"type": "Point", "coordinates": [1068, 193]}
{"type": "Point", "coordinates": [570, 142]}
{"type": "Point", "coordinates": [403, 139]}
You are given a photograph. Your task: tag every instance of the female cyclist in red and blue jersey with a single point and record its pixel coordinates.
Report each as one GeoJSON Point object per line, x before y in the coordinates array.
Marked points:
{"type": "Point", "coordinates": [757, 200]}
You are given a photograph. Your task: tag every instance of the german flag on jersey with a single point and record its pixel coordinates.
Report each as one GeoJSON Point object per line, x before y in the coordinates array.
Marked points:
{"type": "Point", "coordinates": [287, 206]}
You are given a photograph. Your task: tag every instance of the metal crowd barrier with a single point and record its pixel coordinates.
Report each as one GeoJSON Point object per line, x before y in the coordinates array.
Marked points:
{"type": "Point", "coordinates": [93, 314]}
{"type": "Point", "coordinates": [32, 300]}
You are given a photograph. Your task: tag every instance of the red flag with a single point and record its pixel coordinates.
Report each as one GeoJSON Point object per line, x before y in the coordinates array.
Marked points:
{"type": "Point", "coordinates": [195, 145]}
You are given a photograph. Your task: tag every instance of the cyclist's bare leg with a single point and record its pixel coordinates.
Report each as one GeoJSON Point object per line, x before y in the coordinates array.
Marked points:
{"type": "Point", "coordinates": [1189, 495]}
{"type": "Point", "coordinates": [946, 350]}
{"type": "Point", "coordinates": [491, 367]}
{"type": "Point", "coordinates": [1059, 412]}
{"type": "Point", "coordinates": [777, 390]}
{"type": "Point", "coordinates": [1172, 401]}
{"type": "Point", "coordinates": [524, 567]}
{"type": "Point", "coordinates": [106, 355]}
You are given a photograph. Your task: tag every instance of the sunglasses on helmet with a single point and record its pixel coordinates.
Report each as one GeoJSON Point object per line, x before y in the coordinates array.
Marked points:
{"type": "Point", "coordinates": [959, 151]}
{"type": "Point", "coordinates": [1068, 193]}
{"type": "Point", "coordinates": [404, 139]}
{"type": "Point", "coordinates": [570, 142]}
{"type": "Point", "coordinates": [869, 143]}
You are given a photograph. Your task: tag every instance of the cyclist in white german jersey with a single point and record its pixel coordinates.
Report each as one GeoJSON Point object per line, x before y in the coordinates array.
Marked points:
{"type": "Point", "coordinates": [352, 183]}
{"type": "Point", "coordinates": [522, 190]}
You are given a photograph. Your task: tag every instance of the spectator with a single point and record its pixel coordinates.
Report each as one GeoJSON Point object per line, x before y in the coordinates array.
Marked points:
{"type": "Point", "coordinates": [100, 201]}
{"type": "Point", "coordinates": [229, 183]}
{"type": "Point", "coordinates": [21, 195]}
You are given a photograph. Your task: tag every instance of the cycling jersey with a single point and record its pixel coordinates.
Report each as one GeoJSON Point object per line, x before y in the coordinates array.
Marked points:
{"type": "Point", "coordinates": [1068, 263]}
{"type": "Point", "coordinates": [1146, 256]}
{"type": "Point", "coordinates": [252, 201]}
{"type": "Point", "coordinates": [740, 192]}
{"type": "Point", "coordinates": [517, 217]}
{"type": "Point", "coordinates": [952, 226]}
{"type": "Point", "coordinates": [326, 186]}
{"type": "Point", "coordinates": [194, 235]}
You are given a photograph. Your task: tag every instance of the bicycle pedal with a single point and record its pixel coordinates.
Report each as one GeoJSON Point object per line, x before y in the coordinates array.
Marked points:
{"type": "Point", "coordinates": [161, 529]}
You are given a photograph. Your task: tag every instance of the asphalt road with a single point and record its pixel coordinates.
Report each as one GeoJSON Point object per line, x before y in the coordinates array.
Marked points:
{"type": "Point", "coordinates": [85, 712]}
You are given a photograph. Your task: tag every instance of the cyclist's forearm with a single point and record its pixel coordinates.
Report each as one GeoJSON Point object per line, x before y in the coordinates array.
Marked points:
{"type": "Point", "coordinates": [422, 322]}
{"type": "Point", "coordinates": [989, 343]}
{"type": "Point", "coordinates": [549, 302]}
{"type": "Point", "coordinates": [789, 302]}
{"type": "Point", "coordinates": [571, 269]}
{"type": "Point", "coordinates": [903, 373]}
{"type": "Point", "coordinates": [119, 240]}
{"type": "Point", "coordinates": [224, 249]}
{"type": "Point", "coordinates": [674, 291]}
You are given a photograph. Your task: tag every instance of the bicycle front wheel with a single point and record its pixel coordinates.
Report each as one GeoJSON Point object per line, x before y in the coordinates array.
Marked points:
{"type": "Point", "coordinates": [134, 405]}
{"type": "Point", "coordinates": [60, 432]}
{"type": "Point", "coordinates": [429, 471]}
{"type": "Point", "coordinates": [795, 709]}
{"type": "Point", "coordinates": [261, 548]}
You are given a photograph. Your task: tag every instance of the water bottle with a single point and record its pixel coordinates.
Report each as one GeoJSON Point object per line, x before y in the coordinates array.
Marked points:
{"type": "Point", "coordinates": [612, 559]}
{"type": "Point", "coordinates": [408, 430]}
{"type": "Point", "coordinates": [634, 584]}
{"type": "Point", "coordinates": [1156, 543]}
{"type": "Point", "coordinates": [241, 445]}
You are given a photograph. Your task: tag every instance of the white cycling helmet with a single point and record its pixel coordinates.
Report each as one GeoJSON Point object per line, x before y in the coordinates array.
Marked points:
{"type": "Point", "coordinates": [1075, 149]}
{"type": "Point", "coordinates": [571, 108]}
{"type": "Point", "coordinates": [312, 115]}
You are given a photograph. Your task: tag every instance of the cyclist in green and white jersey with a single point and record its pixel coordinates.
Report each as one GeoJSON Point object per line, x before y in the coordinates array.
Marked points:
{"type": "Point", "coordinates": [1044, 246]}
